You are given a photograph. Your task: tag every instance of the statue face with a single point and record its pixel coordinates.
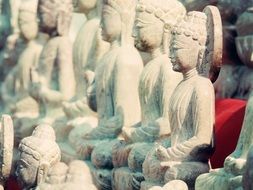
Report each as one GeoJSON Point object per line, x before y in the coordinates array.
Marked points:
{"type": "Point", "coordinates": [147, 32]}
{"type": "Point", "coordinates": [184, 53]}
{"type": "Point", "coordinates": [110, 24]}
{"type": "Point", "coordinates": [28, 25]}
{"type": "Point", "coordinates": [84, 6]}
{"type": "Point", "coordinates": [26, 170]}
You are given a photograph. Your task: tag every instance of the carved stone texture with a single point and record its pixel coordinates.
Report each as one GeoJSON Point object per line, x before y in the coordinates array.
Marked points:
{"type": "Point", "coordinates": [193, 99]}
{"type": "Point", "coordinates": [6, 147]}
{"type": "Point", "coordinates": [230, 177]}
{"type": "Point", "coordinates": [38, 153]}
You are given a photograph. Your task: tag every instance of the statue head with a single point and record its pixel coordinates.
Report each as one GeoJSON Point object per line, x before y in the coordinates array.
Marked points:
{"type": "Point", "coordinates": [117, 20]}
{"type": "Point", "coordinates": [189, 42]}
{"type": "Point", "coordinates": [197, 43]}
{"type": "Point", "coordinates": [55, 16]}
{"type": "Point", "coordinates": [27, 19]}
{"type": "Point", "coordinates": [85, 6]}
{"type": "Point", "coordinates": [154, 21]}
{"type": "Point", "coordinates": [38, 153]}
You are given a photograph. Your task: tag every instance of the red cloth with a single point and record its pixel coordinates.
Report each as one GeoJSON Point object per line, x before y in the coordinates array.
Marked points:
{"type": "Point", "coordinates": [229, 119]}
{"type": "Point", "coordinates": [12, 184]}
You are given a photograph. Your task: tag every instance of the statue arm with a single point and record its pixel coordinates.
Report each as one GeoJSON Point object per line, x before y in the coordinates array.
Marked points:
{"type": "Point", "coordinates": [65, 71]}
{"type": "Point", "coordinates": [203, 122]}
{"type": "Point", "coordinates": [66, 78]}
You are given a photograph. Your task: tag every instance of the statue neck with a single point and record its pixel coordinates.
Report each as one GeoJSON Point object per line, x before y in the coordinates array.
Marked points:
{"type": "Point", "coordinates": [92, 14]}
{"type": "Point", "coordinates": [189, 74]}
{"type": "Point", "coordinates": [115, 44]}
{"type": "Point", "coordinates": [156, 53]}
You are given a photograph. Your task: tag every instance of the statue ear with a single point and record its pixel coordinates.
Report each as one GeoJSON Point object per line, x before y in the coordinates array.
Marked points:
{"type": "Point", "coordinates": [42, 172]}
{"type": "Point", "coordinates": [62, 23]}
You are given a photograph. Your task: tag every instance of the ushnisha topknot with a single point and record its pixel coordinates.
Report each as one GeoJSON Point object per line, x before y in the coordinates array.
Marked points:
{"type": "Point", "coordinates": [194, 26]}
{"type": "Point", "coordinates": [169, 12]}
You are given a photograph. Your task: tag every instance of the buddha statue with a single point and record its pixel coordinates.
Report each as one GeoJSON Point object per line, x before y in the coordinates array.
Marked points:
{"type": "Point", "coordinates": [230, 176]}
{"type": "Point", "coordinates": [53, 81]}
{"type": "Point", "coordinates": [196, 53]}
{"type": "Point", "coordinates": [117, 106]}
{"type": "Point", "coordinates": [88, 49]}
{"type": "Point", "coordinates": [15, 87]}
{"type": "Point", "coordinates": [152, 31]}
{"type": "Point", "coordinates": [38, 153]}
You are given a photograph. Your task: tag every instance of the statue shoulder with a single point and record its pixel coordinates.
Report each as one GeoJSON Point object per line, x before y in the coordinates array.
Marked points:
{"type": "Point", "coordinates": [129, 56]}
{"type": "Point", "coordinates": [204, 87]}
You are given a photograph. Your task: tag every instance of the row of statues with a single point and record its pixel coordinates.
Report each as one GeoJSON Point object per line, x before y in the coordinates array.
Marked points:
{"type": "Point", "coordinates": [133, 96]}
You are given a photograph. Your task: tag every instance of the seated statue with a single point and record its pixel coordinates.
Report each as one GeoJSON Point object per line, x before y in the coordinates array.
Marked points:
{"type": "Point", "coordinates": [15, 87]}
{"type": "Point", "coordinates": [38, 153]}
{"type": "Point", "coordinates": [6, 148]}
{"type": "Point", "coordinates": [117, 106]}
{"type": "Point", "coordinates": [156, 84]}
{"type": "Point", "coordinates": [230, 176]}
{"type": "Point", "coordinates": [152, 32]}
{"type": "Point", "coordinates": [193, 99]}
{"type": "Point", "coordinates": [53, 81]}
{"type": "Point", "coordinates": [114, 92]}
{"type": "Point", "coordinates": [88, 49]}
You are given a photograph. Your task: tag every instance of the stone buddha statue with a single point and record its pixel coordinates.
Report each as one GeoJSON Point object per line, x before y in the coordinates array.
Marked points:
{"type": "Point", "coordinates": [53, 81]}
{"type": "Point", "coordinates": [88, 49]}
{"type": "Point", "coordinates": [152, 31]}
{"type": "Point", "coordinates": [116, 105]}
{"type": "Point", "coordinates": [114, 92]}
{"type": "Point", "coordinates": [15, 87]}
{"type": "Point", "coordinates": [193, 99]}
{"type": "Point", "coordinates": [152, 35]}
{"type": "Point", "coordinates": [38, 153]}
